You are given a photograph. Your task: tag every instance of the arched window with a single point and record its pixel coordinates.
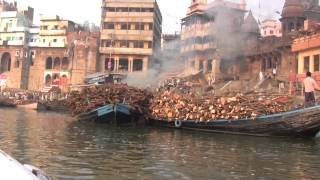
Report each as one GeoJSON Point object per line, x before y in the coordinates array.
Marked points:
{"type": "Point", "coordinates": [49, 63]}
{"type": "Point", "coordinates": [65, 63]}
{"type": "Point", "coordinates": [48, 80]}
{"type": "Point", "coordinates": [5, 62]}
{"type": "Point", "coordinates": [57, 64]}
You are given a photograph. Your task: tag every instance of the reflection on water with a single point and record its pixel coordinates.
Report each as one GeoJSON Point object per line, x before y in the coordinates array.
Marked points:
{"type": "Point", "coordinates": [67, 149]}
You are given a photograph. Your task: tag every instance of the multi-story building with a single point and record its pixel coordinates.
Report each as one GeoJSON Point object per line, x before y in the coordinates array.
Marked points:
{"type": "Point", "coordinates": [62, 54]}
{"type": "Point", "coordinates": [14, 35]}
{"type": "Point", "coordinates": [130, 33]}
{"type": "Point", "coordinates": [58, 53]}
{"type": "Point", "coordinates": [210, 35]}
{"type": "Point", "coordinates": [271, 27]}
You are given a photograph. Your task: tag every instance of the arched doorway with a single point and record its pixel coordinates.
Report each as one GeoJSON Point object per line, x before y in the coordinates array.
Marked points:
{"type": "Point", "coordinates": [5, 63]}
{"type": "Point", "coordinates": [57, 64]}
{"type": "Point", "coordinates": [65, 63]}
{"type": "Point", "coordinates": [64, 80]}
{"type": "Point", "coordinates": [56, 79]}
{"type": "Point", "coordinates": [49, 63]}
{"type": "Point", "coordinates": [48, 80]}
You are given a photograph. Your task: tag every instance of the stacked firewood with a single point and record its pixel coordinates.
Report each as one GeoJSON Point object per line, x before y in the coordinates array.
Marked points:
{"type": "Point", "coordinates": [178, 106]}
{"type": "Point", "coordinates": [94, 97]}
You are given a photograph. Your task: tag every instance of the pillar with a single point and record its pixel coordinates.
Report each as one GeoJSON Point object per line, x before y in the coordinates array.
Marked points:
{"type": "Point", "coordinates": [116, 67]}
{"type": "Point", "coordinates": [145, 64]}
{"type": "Point", "coordinates": [197, 65]}
{"type": "Point", "coordinates": [130, 64]}
{"type": "Point", "coordinates": [205, 66]}
{"type": "Point", "coordinates": [311, 65]}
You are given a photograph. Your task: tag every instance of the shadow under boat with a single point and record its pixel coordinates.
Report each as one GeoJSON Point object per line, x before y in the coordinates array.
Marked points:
{"type": "Point", "coordinates": [117, 114]}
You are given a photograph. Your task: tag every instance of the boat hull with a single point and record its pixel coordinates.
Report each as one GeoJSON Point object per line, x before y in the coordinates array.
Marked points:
{"type": "Point", "coordinates": [118, 114]}
{"type": "Point", "coordinates": [299, 123]}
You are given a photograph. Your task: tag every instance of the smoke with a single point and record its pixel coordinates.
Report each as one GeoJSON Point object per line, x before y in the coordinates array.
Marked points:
{"type": "Point", "coordinates": [164, 62]}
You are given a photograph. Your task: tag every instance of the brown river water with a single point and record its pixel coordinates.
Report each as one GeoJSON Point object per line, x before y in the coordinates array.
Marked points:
{"type": "Point", "coordinates": [67, 149]}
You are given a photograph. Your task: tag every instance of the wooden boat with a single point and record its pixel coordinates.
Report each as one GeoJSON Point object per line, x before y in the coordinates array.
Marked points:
{"type": "Point", "coordinates": [31, 106]}
{"type": "Point", "coordinates": [7, 103]}
{"type": "Point", "coordinates": [118, 114]}
{"type": "Point", "coordinates": [296, 123]}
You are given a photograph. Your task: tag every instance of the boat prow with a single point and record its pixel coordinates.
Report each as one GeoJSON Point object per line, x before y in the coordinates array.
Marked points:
{"type": "Point", "coordinates": [12, 169]}
{"type": "Point", "coordinates": [118, 114]}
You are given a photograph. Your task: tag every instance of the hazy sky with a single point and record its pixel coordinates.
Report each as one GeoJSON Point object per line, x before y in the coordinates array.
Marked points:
{"type": "Point", "coordinates": [172, 10]}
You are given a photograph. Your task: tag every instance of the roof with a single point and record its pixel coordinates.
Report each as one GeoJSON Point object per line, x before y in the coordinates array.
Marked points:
{"type": "Point", "coordinates": [292, 8]}
{"type": "Point", "coordinates": [250, 24]}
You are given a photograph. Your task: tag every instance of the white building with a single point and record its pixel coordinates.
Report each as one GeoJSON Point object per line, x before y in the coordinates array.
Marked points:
{"type": "Point", "coordinates": [271, 27]}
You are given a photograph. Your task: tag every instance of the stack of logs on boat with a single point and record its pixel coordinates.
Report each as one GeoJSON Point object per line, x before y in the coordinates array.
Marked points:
{"type": "Point", "coordinates": [178, 106]}
{"type": "Point", "coordinates": [97, 96]}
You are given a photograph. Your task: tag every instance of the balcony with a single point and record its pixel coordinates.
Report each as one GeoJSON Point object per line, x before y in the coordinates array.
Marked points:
{"type": "Point", "coordinates": [53, 32]}
{"type": "Point", "coordinates": [16, 43]}
{"type": "Point", "coordinates": [126, 51]}
{"type": "Point", "coordinates": [14, 29]}
{"type": "Point", "coordinates": [127, 35]}
{"type": "Point", "coordinates": [51, 44]}
{"type": "Point", "coordinates": [111, 15]}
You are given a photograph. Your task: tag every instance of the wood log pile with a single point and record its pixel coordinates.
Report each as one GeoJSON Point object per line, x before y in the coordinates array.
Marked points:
{"type": "Point", "coordinates": [178, 106]}
{"type": "Point", "coordinates": [97, 96]}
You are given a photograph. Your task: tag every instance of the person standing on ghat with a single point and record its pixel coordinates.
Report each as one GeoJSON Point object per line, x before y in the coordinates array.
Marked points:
{"type": "Point", "coordinates": [310, 85]}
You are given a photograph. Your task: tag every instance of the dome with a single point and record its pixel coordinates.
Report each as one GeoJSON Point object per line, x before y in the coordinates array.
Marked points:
{"type": "Point", "coordinates": [250, 24]}
{"type": "Point", "coordinates": [293, 8]}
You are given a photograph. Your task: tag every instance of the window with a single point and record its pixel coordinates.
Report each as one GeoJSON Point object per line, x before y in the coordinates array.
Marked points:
{"type": "Point", "coordinates": [271, 32]}
{"type": "Point", "coordinates": [44, 27]}
{"type": "Point", "coordinates": [54, 40]}
{"type": "Point", "coordinates": [21, 38]}
{"type": "Point", "coordinates": [134, 9]}
{"type": "Point", "coordinates": [110, 9]}
{"type": "Point", "coordinates": [150, 26]}
{"type": "Point", "coordinates": [124, 26]}
{"type": "Point", "coordinates": [136, 44]}
{"type": "Point", "coordinates": [306, 63]}
{"type": "Point", "coordinates": [141, 44]}
{"type": "Point", "coordinates": [122, 9]}
{"type": "Point", "coordinates": [56, 27]}
{"type": "Point", "coordinates": [137, 65]}
{"type": "Point", "coordinates": [123, 44]}
{"type": "Point", "coordinates": [149, 45]}
{"type": "Point", "coordinates": [123, 64]}
{"type": "Point", "coordinates": [316, 63]}
{"type": "Point", "coordinates": [108, 25]}
{"type": "Point", "coordinates": [142, 27]}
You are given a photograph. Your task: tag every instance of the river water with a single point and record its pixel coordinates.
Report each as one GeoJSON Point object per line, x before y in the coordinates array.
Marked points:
{"type": "Point", "coordinates": [67, 149]}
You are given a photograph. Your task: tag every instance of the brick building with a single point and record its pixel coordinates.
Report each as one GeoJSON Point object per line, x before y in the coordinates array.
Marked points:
{"type": "Point", "coordinates": [130, 33]}
{"type": "Point", "coordinates": [58, 53]}
{"type": "Point", "coordinates": [276, 52]}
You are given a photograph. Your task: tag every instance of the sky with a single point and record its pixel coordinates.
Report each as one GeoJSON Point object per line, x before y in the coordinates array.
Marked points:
{"type": "Point", "coordinates": [172, 10]}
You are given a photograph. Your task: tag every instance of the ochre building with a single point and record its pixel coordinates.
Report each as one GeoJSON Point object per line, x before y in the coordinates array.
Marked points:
{"type": "Point", "coordinates": [130, 33]}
